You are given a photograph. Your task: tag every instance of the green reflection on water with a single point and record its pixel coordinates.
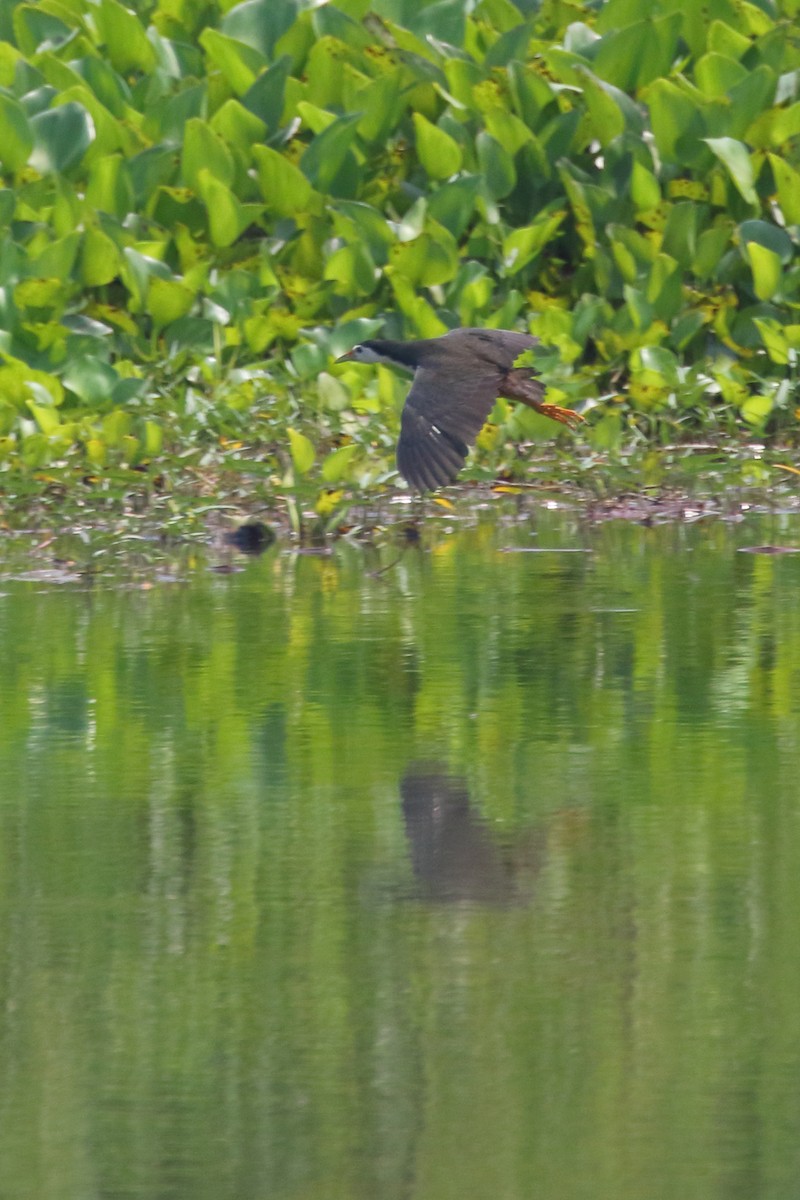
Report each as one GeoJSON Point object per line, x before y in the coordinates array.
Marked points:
{"type": "Point", "coordinates": [478, 878]}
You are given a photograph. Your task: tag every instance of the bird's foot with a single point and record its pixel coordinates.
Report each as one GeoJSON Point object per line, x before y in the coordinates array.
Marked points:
{"type": "Point", "coordinates": [564, 416]}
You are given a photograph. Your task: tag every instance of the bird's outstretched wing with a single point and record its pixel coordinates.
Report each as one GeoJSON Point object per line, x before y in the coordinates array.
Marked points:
{"type": "Point", "coordinates": [440, 421]}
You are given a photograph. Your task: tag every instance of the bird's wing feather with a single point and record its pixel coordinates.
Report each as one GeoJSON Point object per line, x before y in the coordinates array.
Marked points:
{"type": "Point", "coordinates": [441, 419]}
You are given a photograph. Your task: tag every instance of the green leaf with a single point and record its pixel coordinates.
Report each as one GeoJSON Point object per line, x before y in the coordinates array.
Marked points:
{"type": "Point", "coordinates": [522, 245]}
{"type": "Point", "coordinates": [677, 122]}
{"type": "Point", "coordinates": [204, 150]}
{"type": "Point", "coordinates": [787, 181]}
{"type": "Point", "coordinates": [439, 154]}
{"type": "Point", "coordinates": [453, 204]}
{"type": "Point", "coordinates": [716, 74]}
{"type": "Point", "coordinates": [735, 158]}
{"type": "Point", "coordinates": [326, 154]}
{"type": "Point", "coordinates": [90, 379]}
{"type": "Point", "coordinates": [61, 137]}
{"type": "Point", "coordinates": [239, 64]}
{"type": "Point", "coordinates": [125, 38]}
{"type": "Point", "coordinates": [227, 216]}
{"type": "Point", "coordinates": [645, 191]}
{"type": "Point", "coordinates": [496, 165]}
{"type": "Point", "coordinates": [766, 268]}
{"type": "Point", "coordinates": [237, 126]}
{"type": "Point", "coordinates": [336, 465]}
{"type": "Point", "coordinates": [100, 258]}
{"type": "Point", "coordinates": [17, 140]}
{"type": "Point", "coordinates": [302, 451]}
{"type": "Point", "coordinates": [285, 189]}
{"type": "Point", "coordinates": [632, 57]}
{"type": "Point", "coordinates": [260, 23]}
{"type": "Point", "coordinates": [168, 300]}
{"type": "Point", "coordinates": [265, 97]}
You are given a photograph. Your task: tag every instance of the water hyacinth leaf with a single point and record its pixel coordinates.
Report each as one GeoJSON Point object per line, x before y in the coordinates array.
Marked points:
{"type": "Point", "coordinates": [16, 142]}
{"type": "Point", "coordinates": [265, 97]}
{"type": "Point", "coordinates": [237, 126]}
{"type": "Point", "coordinates": [168, 300]}
{"type": "Point", "coordinates": [522, 245]}
{"type": "Point", "coordinates": [496, 165]}
{"type": "Point", "coordinates": [634, 56]}
{"type": "Point", "coordinates": [238, 64]}
{"type": "Point", "coordinates": [336, 465]}
{"type": "Point", "coordinates": [109, 188]}
{"type": "Point", "coordinates": [715, 74]}
{"type": "Point", "coordinates": [100, 258]}
{"type": "Point", "coordinates": [453, 204]}
{"type": "Point", "coordinates": [45, 417]}
{"type": "Point", "coordinates": [124, 37]}
{"type": "Point", "coordinates": [204, 150]}
{"type": "Point", "coordinates": [325, 156]}
{"type": "Point", "coordinates": [766, 268]}
{"type": "Point", "coordinates": [677, 122]}
{"type": "Point", "coordinates": [260, 23]}
{"type": "Point", "coordinates": [787, 181]}
{"type": "Point", "coordinates": [301, 450]}
{"type": "Point", "coordinates": [90, 379]}
{"type": "Point", "coordinates": [227, 216]}
{"type": "Point", "coordinates": [439, 154]}
{"type": "Point", "coordinates": [284, 187]}
{"type": "Point", "coordinates": [332, 393]}
{"type": "Point", "coordinates": [353, 270]}
{"type": "Point", "coordinates": [735, 157]}
{"type": "Point", "coordinates": [381, 103]}
{"type": "Point", "coordinates": [61, 137]}
{"type": "Point", "coordinates": [645, 189]}
{"type": "Point", "coordinates": [607, 121]}
{"type": "Point", "coordinates": [769, 235]}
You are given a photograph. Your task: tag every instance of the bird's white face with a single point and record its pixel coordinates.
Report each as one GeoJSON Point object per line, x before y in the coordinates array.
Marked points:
{"type": "Point", "coordinates": [360, 353]}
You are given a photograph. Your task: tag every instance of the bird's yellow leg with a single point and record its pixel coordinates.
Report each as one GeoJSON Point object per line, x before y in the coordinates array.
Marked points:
{"type": "Point", "coordinates": [564, 416]}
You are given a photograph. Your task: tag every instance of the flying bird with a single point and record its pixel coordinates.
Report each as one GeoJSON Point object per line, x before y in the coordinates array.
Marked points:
{"type": "Point", "coordinates": [457, 378]}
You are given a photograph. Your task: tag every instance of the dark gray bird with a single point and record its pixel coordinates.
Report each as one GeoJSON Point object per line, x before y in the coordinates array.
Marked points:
{"type": "Point", "coordinates": [457, 378]}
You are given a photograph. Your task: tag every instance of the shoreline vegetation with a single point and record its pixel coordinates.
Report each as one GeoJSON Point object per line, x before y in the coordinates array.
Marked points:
{"type": "Point", "coordinates": [203, 204]}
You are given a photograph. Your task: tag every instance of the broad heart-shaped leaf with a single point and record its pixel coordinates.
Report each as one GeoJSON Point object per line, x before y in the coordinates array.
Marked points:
{"type": "Point", "coordinates": [265, 97]}
{"type": "Point", "coordinates": [61, 137]}
{"type": "Point", "coordinates": [771, 236]}
{"type": "Point", "coordinates": [735, 157]}
{"type": "Point", "coordinates": [260, 23]}
{"type": "Point", "coordinates": [453, 204]}
{"type": "Point", "coordinates": [326, 154]}
{"type": "Point", "coordinates": [168, 300]}
{"type": "Point", "coordinates": [497, 166]}
{"type": "Point", "coordinates": [227, 216]}
{"type": "Point", "coordinates": [787, 181]}
{"type": "Point", "coordinates": [125, 38]}
{"type": "Point", "coordinates": [715, 74]}
{"type": "Point", "coordinates": [677, 123]}
{"type": "Point", "coordinates": [766, 268]}
{"type": "Point", "coordinates": [239, 64]}
{"type": "Point", "coordinates": [336, 465]}
{"type": "Point", "coordinates": [204, 150]}
{"type": "Point", "coordinates": [302, 451]}
{"type": "Point", "coordinates": [632, 57]}
{"type": "Point", "coordinates": [522, 245]}
{"type": "Point", "coordinates": [16, 141]}
{"type": "Point", "coordinates": [439, 154]}
{"type": "Point", "coordinates": [100, 258]}
{"type": "Point", "coordinates": [285, 189]}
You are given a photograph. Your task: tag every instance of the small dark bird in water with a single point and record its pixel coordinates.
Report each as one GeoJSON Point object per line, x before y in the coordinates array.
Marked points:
{"type": "Point", "coordinates": [457, 378]}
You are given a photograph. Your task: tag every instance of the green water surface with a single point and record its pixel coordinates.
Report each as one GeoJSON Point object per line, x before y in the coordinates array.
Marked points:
{"type": "Point", "coordinates": [473, 877]}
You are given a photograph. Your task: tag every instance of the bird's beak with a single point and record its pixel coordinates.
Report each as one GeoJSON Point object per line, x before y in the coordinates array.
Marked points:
{"type": "Point", "coordinates": [346, 357]}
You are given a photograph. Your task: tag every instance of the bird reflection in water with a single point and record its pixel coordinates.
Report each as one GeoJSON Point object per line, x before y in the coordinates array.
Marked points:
{"type": "Point", "coordinates": [454, 854]}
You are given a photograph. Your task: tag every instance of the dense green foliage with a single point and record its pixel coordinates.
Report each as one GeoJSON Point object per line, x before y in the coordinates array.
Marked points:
{"type": "Point", "coordinates": [204, 202]}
